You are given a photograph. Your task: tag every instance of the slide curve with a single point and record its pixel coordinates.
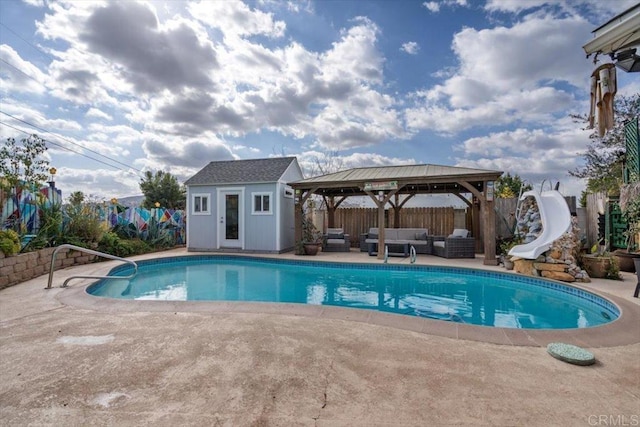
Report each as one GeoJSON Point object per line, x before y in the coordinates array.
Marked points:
{"type": "Point", "coordinates": [556, 220]}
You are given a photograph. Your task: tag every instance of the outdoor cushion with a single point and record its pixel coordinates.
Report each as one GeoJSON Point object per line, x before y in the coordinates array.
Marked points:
{"type": "Point", "coordinates": [421, 235]}
{"type": "Point", "coordinates": [439, 243]}
{"type": "Point", "coordinates": [373, 235]}
{"type": "Point", "coordinates": [459, 232]}
{"type": "Point", "coordinates": [405, 234]}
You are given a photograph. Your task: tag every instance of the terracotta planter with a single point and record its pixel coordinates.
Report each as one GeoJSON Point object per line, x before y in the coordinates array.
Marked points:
{"type": "Point", "coordinates": [626, 260]}
{"type": "Point", "coordinates": [508, 264]}
{"type": "Point", "coordinates": [311, 248]}
{"type": "Point", "coordinates": [596, 266]}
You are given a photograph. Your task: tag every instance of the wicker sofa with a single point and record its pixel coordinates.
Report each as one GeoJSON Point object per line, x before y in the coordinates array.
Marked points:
{"type": "Point", "coordinates": [399, 240]}
{"type": "Point", "coordinates": [334, 240]}
{"type": "Point", "coordinates": [457, 245]}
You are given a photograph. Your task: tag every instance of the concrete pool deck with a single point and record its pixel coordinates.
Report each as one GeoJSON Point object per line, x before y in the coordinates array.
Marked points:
{"type": "Point", "coordinates": [69, 358]}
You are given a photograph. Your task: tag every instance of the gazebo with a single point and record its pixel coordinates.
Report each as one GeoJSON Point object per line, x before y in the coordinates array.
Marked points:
{"type": "Point", "coordinates": [397, 184]}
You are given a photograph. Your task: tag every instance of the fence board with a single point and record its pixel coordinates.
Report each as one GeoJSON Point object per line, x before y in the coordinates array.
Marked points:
{"type": "Point", "coordinates": [355, 221]}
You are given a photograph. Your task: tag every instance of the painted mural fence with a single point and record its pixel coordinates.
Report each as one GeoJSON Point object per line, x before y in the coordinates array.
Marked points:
{"type": "Point", "coordinates": [20, 212]}
{"type": "Point", "coordinates": [146, 222]}
{"type": "Point", "coordinates": [20, 208]}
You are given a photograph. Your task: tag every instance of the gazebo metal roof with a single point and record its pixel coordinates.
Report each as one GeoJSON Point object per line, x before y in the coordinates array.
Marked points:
{"type": "Point", "coordinates": [418, 179]}
{"type": "Point", "coordinates": [382, 183]}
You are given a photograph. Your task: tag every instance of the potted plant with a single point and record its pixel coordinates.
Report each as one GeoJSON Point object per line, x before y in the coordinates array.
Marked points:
{"type": "Point", "coordinates": [630, 207]}
{"type": "Point", "coordinates": [311, 237]}
{"type": "Point", "coordinates": [601, 264]}
{"type": "Point", "coordinates": [505, 247]}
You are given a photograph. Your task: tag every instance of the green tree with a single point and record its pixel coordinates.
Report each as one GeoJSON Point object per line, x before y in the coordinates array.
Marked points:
{"type": "Point", "coordinates": [76, 198]}
{"type": "Point", "coordinates": [605, 156]}
{"type": "Point", "coordinates": [162, 188]}
{"type": "Point", "coordinates": [508, 186]}
{"type": "Point", "coordinates": [23, 164]}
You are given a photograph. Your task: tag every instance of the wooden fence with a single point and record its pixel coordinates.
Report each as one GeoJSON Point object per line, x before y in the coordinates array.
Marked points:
{"type": "Point", "coordinates": [355, 221]}
{"type": "Point", "coordinates": [439, 221]}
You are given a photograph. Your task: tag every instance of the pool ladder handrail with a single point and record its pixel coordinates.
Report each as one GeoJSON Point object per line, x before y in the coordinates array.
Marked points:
{"type": "Point", "coordinates": [91, 252]}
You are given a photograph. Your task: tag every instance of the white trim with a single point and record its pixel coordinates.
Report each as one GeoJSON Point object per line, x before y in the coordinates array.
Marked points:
{"type": "Point", "coordinates": [193, 203]}
{"type": "Point", "coordinates": [261, 194]}
{"type": "Point", "coordinates": [278, 217]}
{"type": "Point", "coordinates": [220, 215]}
{"type": "Point", "coordinates": [616, 34]}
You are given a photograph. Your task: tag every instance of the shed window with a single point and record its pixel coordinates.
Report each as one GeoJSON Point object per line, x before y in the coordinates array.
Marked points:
{"type": "Point", "coordinates": [201, 204]}
{"type": "Point", "coordinates": [261, 204]}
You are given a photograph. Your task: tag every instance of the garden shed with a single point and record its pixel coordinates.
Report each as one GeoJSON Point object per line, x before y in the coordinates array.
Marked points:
{"type": "Point", "coordinates": [242, 206]}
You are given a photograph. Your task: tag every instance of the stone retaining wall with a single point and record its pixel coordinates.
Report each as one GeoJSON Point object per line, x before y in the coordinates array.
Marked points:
{"type": "Point", "coordinates": [19, 268]}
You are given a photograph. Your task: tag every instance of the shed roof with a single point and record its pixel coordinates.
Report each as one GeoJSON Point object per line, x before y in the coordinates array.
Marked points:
{"type": "Point", "coordinates": [242, 171]}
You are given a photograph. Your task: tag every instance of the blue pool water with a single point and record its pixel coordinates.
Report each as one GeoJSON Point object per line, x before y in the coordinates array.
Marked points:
{"type": "Point", "coordinates": [453, 294]}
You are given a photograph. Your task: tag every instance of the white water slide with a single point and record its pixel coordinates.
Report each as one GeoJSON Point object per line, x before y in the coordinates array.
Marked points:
{"type": "Point", "coordinates": [556, 220]}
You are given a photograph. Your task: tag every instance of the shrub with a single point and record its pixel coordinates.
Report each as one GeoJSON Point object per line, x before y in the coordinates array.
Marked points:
{"type": "Point", "coordinates": [83, 226]}
{"type": "Point", "coordinates": [50, 227]}
{"type": "Point", "coordinates": [112, 244]}
{"type": "Point", "coordinates": [9, 242]}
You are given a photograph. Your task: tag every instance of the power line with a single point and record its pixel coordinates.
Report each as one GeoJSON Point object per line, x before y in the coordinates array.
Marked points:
{"type": "Point", "coordinates": [70, 142]}
{"type": "Point", "coordinates": [27, 42]}
{"type": "Point", "coordinates": [22, 72]}
{"type": "Point", "coordinates": [64, 148]}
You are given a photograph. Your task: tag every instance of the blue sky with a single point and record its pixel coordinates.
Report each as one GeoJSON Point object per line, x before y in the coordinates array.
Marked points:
{"type": "Point", "coordinates": [118, 88]}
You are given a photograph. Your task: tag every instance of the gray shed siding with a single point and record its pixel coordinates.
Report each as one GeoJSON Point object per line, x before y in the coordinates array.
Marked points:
{"type": "Point", "coordinates": [260, 230]}
{"type": "Point", "coordinates": [202, 231]}
{"type": "Point", "coordinates": [273, 232]}
{"type": "Point", "coordinates": [262, 233]}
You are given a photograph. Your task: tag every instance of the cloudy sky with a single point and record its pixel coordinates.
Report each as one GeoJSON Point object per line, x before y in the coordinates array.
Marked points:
{"type": "Point", "coordinates": [117, 88]}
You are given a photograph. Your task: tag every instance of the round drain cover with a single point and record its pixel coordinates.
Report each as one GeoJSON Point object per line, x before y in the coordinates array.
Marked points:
{"type": "Point", "coordinates": [571, 354]}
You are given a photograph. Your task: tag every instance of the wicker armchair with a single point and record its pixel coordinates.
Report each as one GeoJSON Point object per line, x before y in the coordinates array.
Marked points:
{"type": "Point", "coordinates": [336, 241]}
{"type": "Point", "coordinates": [456, 245]}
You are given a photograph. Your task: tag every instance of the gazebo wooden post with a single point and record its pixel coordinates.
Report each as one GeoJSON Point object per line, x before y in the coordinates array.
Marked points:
{"type": "Point", "coordinates": [332, 205]}
{"type": "Point", "coordinates": [298, 210]}
{"type": "Point", "coordinates": [488, 223]}
{"type": "Point", "coordinates": [489, 226]}
{"type": "Point", "coordinates": [297, 219]}
{"type": "Point", "coordinates": [397, 205]}
{"type": "Point", "coordinates": [381, 204]}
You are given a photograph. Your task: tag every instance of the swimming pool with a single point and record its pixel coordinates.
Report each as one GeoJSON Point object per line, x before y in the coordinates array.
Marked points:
{"type": "Point", "coordinates": [453, 294]}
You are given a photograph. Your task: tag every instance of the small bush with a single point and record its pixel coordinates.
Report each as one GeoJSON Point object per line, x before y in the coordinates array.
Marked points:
{"type": "Point", "coordinates": [9, 242]}
{"type": "Point", "coordinates": [112, 244]}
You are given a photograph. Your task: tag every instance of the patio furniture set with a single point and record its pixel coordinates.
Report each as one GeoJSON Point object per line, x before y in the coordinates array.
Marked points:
{"type": "Point", "coordinates": [400, 240]}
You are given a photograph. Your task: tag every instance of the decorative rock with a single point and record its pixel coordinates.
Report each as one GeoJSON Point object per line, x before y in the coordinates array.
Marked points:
{"type": "Point", "coordinates": [571, 354]}
{"type": "Point", "coordinates": [549, 267]}
{"type": "Point", "coordinates": [555, 254]}
{"type": "Point", "coordinates": [523, 266]}
{"type": "Point", "coordinates": [558, 275]}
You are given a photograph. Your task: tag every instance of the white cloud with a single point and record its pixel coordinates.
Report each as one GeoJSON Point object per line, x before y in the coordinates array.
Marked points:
{"type": "Point", "coordinates": [98, 114]}
{"type": "Point", "coordinates": [506, 75]}
{"type": "Point", "coordinates": [411, 48]}
{"type": "Point", "coordinates": [433, 6]}
{"type": "Point", "coordinates": [18, 74]}
{"type": "Point", "coordinates": [106, 183]}
{"type": "Point", "coordinates": [600, 11]}
{"type": "Point", "coordinates": [534, 154]}
{"type": "Point", "coordinates": [236, 19]}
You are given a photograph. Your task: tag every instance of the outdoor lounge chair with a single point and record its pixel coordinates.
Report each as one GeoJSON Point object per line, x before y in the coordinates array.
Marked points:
{"type": "Point", "coordinates": [457, 245]}
{"type": "Point", "coordinates": [336, 241]}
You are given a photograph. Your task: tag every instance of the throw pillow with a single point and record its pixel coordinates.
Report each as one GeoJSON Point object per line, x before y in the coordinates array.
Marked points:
{"type": "Point", "coordinates": [421, 236]}
{"type": "Point", "coordinates": [335, 236]}
{"type": "Point", "coordinates": [372, 236]}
